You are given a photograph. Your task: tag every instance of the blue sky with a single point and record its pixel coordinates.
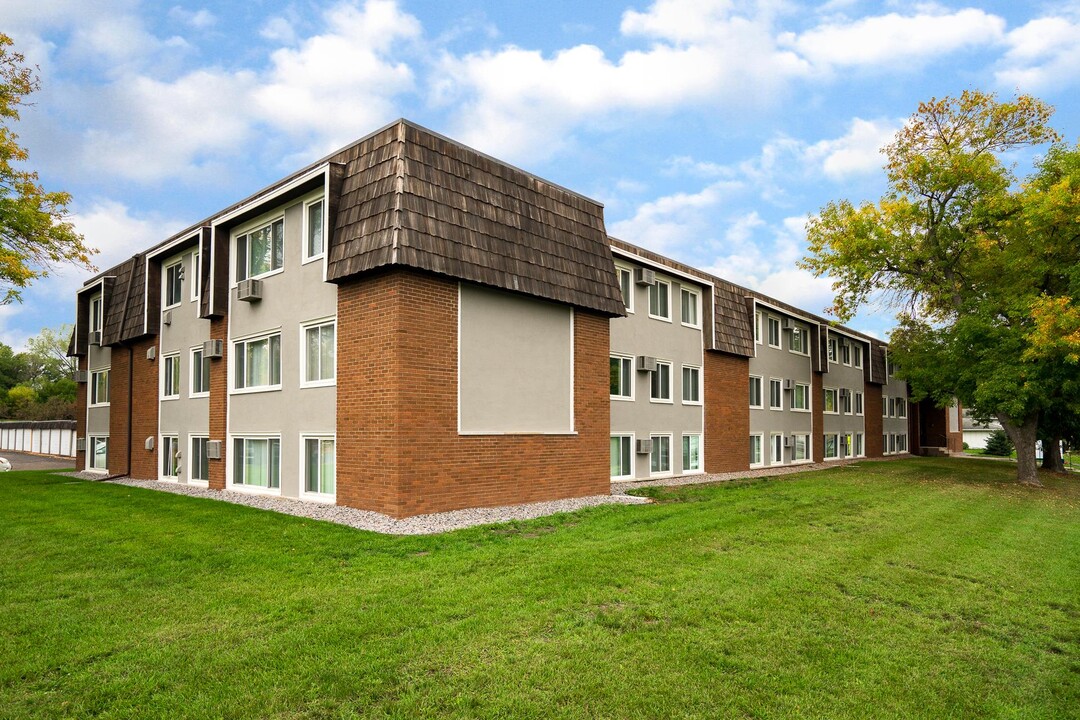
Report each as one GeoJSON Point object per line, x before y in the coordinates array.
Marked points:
{"type": "Point", "coordinates": [710, 129]}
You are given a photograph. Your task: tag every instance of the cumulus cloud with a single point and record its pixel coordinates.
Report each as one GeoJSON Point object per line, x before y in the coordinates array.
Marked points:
{"type": "Point", "coordinates": [201, 19]}
{"type": "Point", "coordinates": [857, 152]}
{"type": "Point", "coordinates": [1042, 54]}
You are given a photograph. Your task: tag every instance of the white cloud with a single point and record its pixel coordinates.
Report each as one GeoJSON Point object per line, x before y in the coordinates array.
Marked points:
{"type": "Point", "coordinates": [278, 29]}
{"type": "Point", "coordinates": [674, 224]}
{"type": "Point", "coordinates": [856, 153]}
{"type": "Point", "coordinates": [1043, 53]}
{"type": "Point", "coordinates": [201, 19]}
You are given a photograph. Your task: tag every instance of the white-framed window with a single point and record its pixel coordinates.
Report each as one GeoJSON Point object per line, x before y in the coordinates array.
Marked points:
{"type": "Point", "coordinates": [660, 386]}
{"type": "Point", "coordinates": [257, 363]}
{"type": "Point", "coordinates": [857, 359]}
{"type": "Point", "coordinates": [776, 394]}
{"type": "Point", "coordinates": [756, 457]}
{"type": "Point", "coordinates": [319, 472]}
{"type": "Point", "coordinates": [622, 456]}
{"type": "Point", "coordinates": [314, 237]}
{"type": "Point", "coordinates": [800, 448]}
{"type": "Point", "coordinates": [858, 402]}
{"type": "Point", "coordinates": [832, 349]}
{"type": "Point", "coordinates": [885, 444]}
{"type": "Point", "coordinates": [774, 332]}
{"type": "Point", "coordinates": [800, 341]}
{"type": "Point", "coordinates": [800, 397]}
{"type": "Point", "coordinates": [622, 377]}
{"type": "Point", "coordinates": [99, 387]}
{"type": "Point", "coordinates": [860, 445]}
{"type": "Point", "coordinates": [198, 462]}
{"type": "Point", "coordinates": [757, 327]}
{"type": "Point", "coordinates": [776, 445]}
{"type": "Point", "coordinates": [846, 444]}
{"type": "Point", "coordinates": [170, 457]}
{"type": "Point", "coordinates": [660, 300]}
{"type": "Point", "coordinates": [901, 407]}
{"type": "Point", "coordinates": [831, 406]}
{"type": "Point", "coordinates": [901, 442]}
{"type": "Point", "coordinates": [261, 251]}
{"type": "Point", "coordinates": [196, 275]}
{"type": "Point", "coordinates": [257, 462]}
{"type": "Point", "coordinates": [95, 313]}
{"type": "Point", "coordinates": [892, 443]}
{"type": "Point", "coordinates": [97, 456]}
{"type": "Point", "coordinates": [626, 284]}
{"type": "Point", "coordinates": [691, 385]}
{"type": "Point", "coordinates": [174, 284]}
{"type": "Point", "coordinates": [845, 401]}
{"type": "Point", "coordinates": [170, 376]}
{"type": "Point", "coordinates": [884, 406]}
{"type": "Point", "coordinates": [660, 457]}
{"type": "Point", "coordinates": [845, 353]}
{"type": "Point", "coordinates": [691, 453]}
{"type": "Point", "coordinates": [690, 315]}
{"type": "Point", "coordinates": [832, 450]}
{"type": "Point", "coordinates": [200, 374]}
{"type": "Point", "coordinates": [755, 392]}
{"type": "Point", "coordinates": [318, 362]}
{"type": "Point", "coordinates": [892, 407]}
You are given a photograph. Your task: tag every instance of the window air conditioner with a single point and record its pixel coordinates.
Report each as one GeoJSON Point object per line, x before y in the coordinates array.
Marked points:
{"type": "Point", "coordinates": [213, 449]}
{"type": "Point", "coordinates": [166, 317]}
{"type": "Point", "coordinates": [213, 348]}
{"type": "Point", "coordinates": [644, 446]}
{"type": "Point", "coordinates": [646, 363]}
{"type": "Point", "coordinates": [789, 384]}
{"type": "Point", "coordinates": [79, 376]}
{"type": "Point", "coordinates": [80, 445]}
{"type": "Point", "coordinates": [149, 443]}
{"type": "Point", "coordinates": [249, 290]}
{"type": "Point", "coordinates": [785, 323]}
{"type": "Point", "coordinates": [151, 353]}
{"type": "Point", "coordinates": [788, 441]}
{"type": "Point", "coordinates": [644, 276]}
{"type": "Point", "coordinates": [95, 338]}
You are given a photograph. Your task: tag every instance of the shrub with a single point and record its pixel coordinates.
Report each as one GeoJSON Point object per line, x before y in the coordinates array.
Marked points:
{"type": "Point", "coordinates": [999, 444]}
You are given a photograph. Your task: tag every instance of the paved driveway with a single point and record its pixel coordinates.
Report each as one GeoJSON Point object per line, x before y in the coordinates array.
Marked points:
{"type": "Point", "coordinates": [23, 461]}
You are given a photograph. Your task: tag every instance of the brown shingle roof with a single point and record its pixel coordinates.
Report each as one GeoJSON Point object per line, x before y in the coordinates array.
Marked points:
{"type": "Point", "coordinates": [415, 199]}
{"type": "Point", "coordinates": [124, 310]}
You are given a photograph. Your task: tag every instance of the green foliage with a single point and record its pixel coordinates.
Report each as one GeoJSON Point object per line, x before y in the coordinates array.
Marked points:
{"type": "Point", "coordinates": [34, 233]}
{"type": "Point", "coordinates": [44, 369]}
{"type": "Point", "coordinates": [999, 444]}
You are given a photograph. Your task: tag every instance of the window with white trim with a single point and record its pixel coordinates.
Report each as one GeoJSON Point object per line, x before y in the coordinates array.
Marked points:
{"type": "Point", "coordinates": [626, 284]}
{"type": "Point", "coordinates": [319, 472]}
{"type": "Point", "coordinates": [774, 332]}
{"type": "Point", "coordinates": [660, 386]}
{"type": "Point", "coordinates": [691, 453]}
{"type": "Point", "coordinates": [860, 446]}
{"type": "Point", "coordinates": [660, 457]}
{"type": "Point", "coordinates": [800, 449]}
{"type": "Point", "coordinates": [689, 307]}
{"type": "Point", "coordinates": [200, 374]}
{"type": "Point", "coordinates": [314, 243]}
{"type": "Point", "coordinates": [832, 349]}
{"type": "Point", "coordinates": [776, 394]}
{"type": "Point", "coordinates": [776, 444]}
{"type": "Point", "coordinates": [756, 450]}
{"type": "Point", "coordinates": [261, 251]}
{"type": "Point", "coordinates": [659, 300]}
{"type": "Point", "coordinates": [198, 461]}
{"type": "Point", "coordinates": [892, 443]}
{"type": "Point", "coordinates": [99, 387]}
{"type": "Point", "coordinates": [800, 397]}
{"type": "Point", "coordinates": [858, 403]}
{"type": "Point", "coordinates": [892, 407]}
{"type": "Point", "coordinates": [901, 442]}
{"type": "Point", "coordinates": [319, 354]}
{"type": "Point", "coordinates": [691, 385]}
{"type": "Point", "coordinates": [257, 462]}
{"type": "Point", "coordinates": [196, 274]}
{"type": "Point", "coordinates": [857, 360]}
{"type": "Point", "coordinates": [885, 444]}
{"type": "Point", "coordinates": [98, 455]}
{"type": "Point", "coordinates": [846, 444]}
{"type": "Point", "coordinates": [170, 456]}
{"type": "Point", "coordinates": [174, 284]}
{"type": "Point", "coordinates": [755, 392]}
{"type": "Point", "coordinates": [800, 342]}
{"type": "Point", "coordinates": [901, 407]}
{"type": "Point", "coordinates": [884, 406]}
{"type": "Point", "coordinates": [757, 327]}
{"type": "Point", "coordinates": [832, 450]}
{"type": "Point", "coordinates": [95, 313]}
{"type": "Point", "coordinates": [622, 377]}
{"type": "Point", "coordinates": [257, 363]}
{"type": "Point", "coordinates": [170, 377]}
{"type": "Point", "coordinates": [622, 456]}
{"type": "Point", "coordinates": [845, 353]}
{"type": "Point", "coordinates": [831, 406]}
{"type": "Point", "coordinates": [845, 401]}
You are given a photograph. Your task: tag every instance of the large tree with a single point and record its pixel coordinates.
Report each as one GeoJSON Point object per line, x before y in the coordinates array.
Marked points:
{"type": "Point", "coordinates": [970, 257]}
{"type": "Point", "coordinates": [35, 235]}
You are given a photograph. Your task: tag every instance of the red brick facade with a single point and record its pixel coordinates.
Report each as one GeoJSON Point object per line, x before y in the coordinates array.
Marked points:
{"type": "Point", "coordinates": [872, 421]}
{"type": "Point", "coordinates": [81, 400]}
{"type": "Point", "coordinates": [398, 448]}
{"type": "Point", "coordinates": [727, 413]}
{"type": "Point", "coordinates": [219, 402]}
{"type": "Point", "coordinates": [817, 412]}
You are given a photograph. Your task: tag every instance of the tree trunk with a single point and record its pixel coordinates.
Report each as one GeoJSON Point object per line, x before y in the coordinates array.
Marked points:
{"type": "Point", "coordinates": [1052, 459]}
{"type": "Point", "coordinates": [1023, 435]}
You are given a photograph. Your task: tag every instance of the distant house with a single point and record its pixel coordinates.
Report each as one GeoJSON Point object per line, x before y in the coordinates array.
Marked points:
{"type": "Point", "coordinates": [976, 433]}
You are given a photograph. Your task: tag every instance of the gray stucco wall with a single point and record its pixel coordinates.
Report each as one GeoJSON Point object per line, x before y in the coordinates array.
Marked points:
{"type": "Point", "coordinates": [780, 363]}
{"type": "Point", "coordinates": [97, 418]}
{"type": "Point", "coordinates": [893, 425]}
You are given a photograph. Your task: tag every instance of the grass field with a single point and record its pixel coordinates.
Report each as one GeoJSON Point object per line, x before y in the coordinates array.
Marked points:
{"type": "Point", "coordinates": [915, 588]}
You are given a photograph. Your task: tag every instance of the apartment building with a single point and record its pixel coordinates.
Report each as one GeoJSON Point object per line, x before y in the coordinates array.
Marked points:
{"type": "Point", "coordinates": [411, 326]}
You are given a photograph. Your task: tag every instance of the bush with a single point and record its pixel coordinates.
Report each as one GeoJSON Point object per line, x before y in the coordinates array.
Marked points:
{"type": "Point", "coordinates": [999, 444]}
{"type": "Point", "coordinates": [966, 446]}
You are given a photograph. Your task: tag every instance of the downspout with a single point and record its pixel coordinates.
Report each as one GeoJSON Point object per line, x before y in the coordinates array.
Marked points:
{"type": "Point", "coordinates": [131, 399]}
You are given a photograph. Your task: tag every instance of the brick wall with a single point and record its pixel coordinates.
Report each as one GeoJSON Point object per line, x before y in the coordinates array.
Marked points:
{"type": "Point", "coordinates": [727, 413]}
{"type": "Point", "coordinates": [219, 398]}
{"type": "Point", "coordinates": [144, 408]}
{"type": "Point", "coordinates": [119, 403]}
{"type": "Point", "coordinates": [817, 411]}
{"type": "Point", "coordinates": [398, 449]}
{"type": "Point", "coordinates": [956, 439]}
{"type": "Point", "coordinates": [81, 395]}
{"type": "Point", "coordinates": [873, 421]}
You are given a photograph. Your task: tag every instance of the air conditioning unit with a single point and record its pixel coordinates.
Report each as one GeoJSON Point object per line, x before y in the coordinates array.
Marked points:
{"type": "Point", "coordinates": [80, 376]}
{"type": "Point", "coordinates": [213, 348]}
{"type": "Point", "coordinates": [644, 276]}
{"type": "Point", "coordinates": [95, 338]}
{"type": "Point", "coordinates": [789, 441]}
{"type": "Point", "coordinates": [149, 443]}
{"type": "Point", "coordinates": [249, 290]}
{"type": "Point", "coordinates": [151, 353]}
{"type": "Point", "coordinates": [644, 446]}
{"type": "Point", "coordinates": [213, 449]}
{"type": "Point", "coordinates": [166, 317]}
{"type": "Point", "coordinates": [789, 384]}
{"type": "Point", "coordinates": [645, 363]}
{"type": "Point", "coordinates": [785, 323]}
{"type": "Point", "coordinates": [80, 445]}
{"type": "Point", "coordinates": [844, 392]}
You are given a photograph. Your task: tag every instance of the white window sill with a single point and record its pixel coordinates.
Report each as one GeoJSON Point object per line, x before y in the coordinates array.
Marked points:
{"type": "Point", "coordinates": [621, 398]}
{"type": "Point", "coordinates": [555, 433]}
{"type": "Point", "coordinates": [236, 283]}
{"type": "Point", "coordinates": [659, 317]}
{"type": "Point", "coordinates": [173, 306]}
{"type": "Point", "coordinates": [776, 347]}
{"type": "Point", "coordinates": [691, 402]}
{"type": "Point", "coordinates": [777, 409]}
{"type": "Point", "coordinates": [757, 407]}
{"type": "Point", "coordinates": [254, 490]}
{"type": "Point", "coordinates": [255, 390]}
{"type": "Point", "coordinates": [313, 258]}
{"type": "Point", "coordinates": [318, 383]}
{"type": "Point", "coordinates": [169, 397]}
{"type": "Point", "coordinates": [320, 498]}
{"type": "Point", "coordinates": [98, 405]}
{"type": "Point", "coordinates": [196, 396]}
{"type": "Point", "coordinates": [800, 410]}
{"type": "Point", "coordinates": [199, 483]}
{"type": "Point", "coordinates": [693, 327]}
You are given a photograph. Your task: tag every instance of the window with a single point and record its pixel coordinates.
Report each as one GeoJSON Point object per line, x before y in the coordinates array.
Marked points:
{"type": "Point", "coordinates": [800, 447]}
{"type": "Point", "coordinates": [660, 390]}
{"type": "Point", "coordinates": [901, 408]}
{"type": "Point", "coordinates": [622, 456]}
{"type": "Point", "coordinates": [757, 327]}
{"type": "Point", "coordinates": [858, 401]}
{"type": "Point", "coordinates": [319, 465]}
{"type": "Point", "coordinates": [95, 314]}
{"type": "Point", "coordinates": [257, 462]}
{"type": "Point", "coordinates": [200, 374]}
{"type": "Point", "coordinates": [901, 442]}
{"type": "Point", "coordinates": [660, 458]}
{"type": "Point", "coordinates": [174, 283]}
{"type": "Point", "coordinates": [755, 450]}
{"type": "Point", "coordinates": [99, 387]}
{"type": "Point", "coordinates": [691, 453]}
{"type": "Point", "coordinates": [774, 332]}
{"type": "Point", "coordinates": [885, 444]}
{"type": "Point", "coordinates": [799, 341]}
{"type": "Point", "coordinates": [800, 397]}
{"type": "Point", "coordinates": [689, 307]}
{"type": "Point", "coordinates": [858, 356]}
{"type": "Point", "coordinates": [260, 251]}
{"type": "Point", "coordinates": [892, 443]}
{"type": "Point", "coordinates": [626, 283]}
{"type": "Point", "coordinates": [832, 349]}
{"type": "Point", "coordinates": [776, 394]}
{"type": "Point", "coordinates": [170, 376]}
{"type": "Point", "coordinates": [845, 353]}
{"type": "Point", "coordinates": [99, 453]}
{"type": "Point", "coordinates": [860, 449]}
{"type": "Point", "coordinates": [257, 363]}
{"type": "Point", "coordinates": [892, 407]}
{"type": "Point", "coordinates": [313, 230]}
{"type": "Point", "coordinates": [831, 449]}
{"type": "Point", "coordinates": [846, 443]}
{"type": "Point", "coordinates": [196, 275]}
{"type": "Point", "coordinates": [170, 456]}
{"type": "Point", "coordinates": [319, 354]}
{"type": "Point", "coordinates": [884, 406]}
{"type": "Point", "coordinates": [198, 461]}
{"type": "Point", "coordinates": [845, 401]}
{"type": "Point", "coordinates": [755, 392]}
{"type": "Point", "coordinates": [691, 385]}
{"type": "Point", "coordinates": [622, 378]}
{"type": "Point", "coordinates": [830, 401]}
{"type": "Point", "coordinates": [776, 443]}
{"type": "Point", "coordinates": [659, 295]}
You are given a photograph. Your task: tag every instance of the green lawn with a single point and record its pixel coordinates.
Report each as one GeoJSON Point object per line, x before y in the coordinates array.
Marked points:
{"type": "Point", "coordinates": [915, 588]}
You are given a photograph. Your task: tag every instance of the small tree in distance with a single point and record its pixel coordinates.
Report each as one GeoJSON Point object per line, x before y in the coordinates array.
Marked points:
{"type": "Point", "coordinates": [998, 443]}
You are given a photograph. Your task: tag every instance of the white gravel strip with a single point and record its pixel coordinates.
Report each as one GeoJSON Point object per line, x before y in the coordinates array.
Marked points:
{"type": "Point", "coordinates": [621, 488]}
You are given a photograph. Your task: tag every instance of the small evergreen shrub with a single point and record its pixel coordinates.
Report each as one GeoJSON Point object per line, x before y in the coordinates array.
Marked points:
{"type": "Point", "coordinates": [999, 444]}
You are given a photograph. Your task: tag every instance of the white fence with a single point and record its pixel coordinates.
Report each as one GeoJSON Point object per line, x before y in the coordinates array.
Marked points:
{"type": "Point", "coordinates": [46, 437]}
